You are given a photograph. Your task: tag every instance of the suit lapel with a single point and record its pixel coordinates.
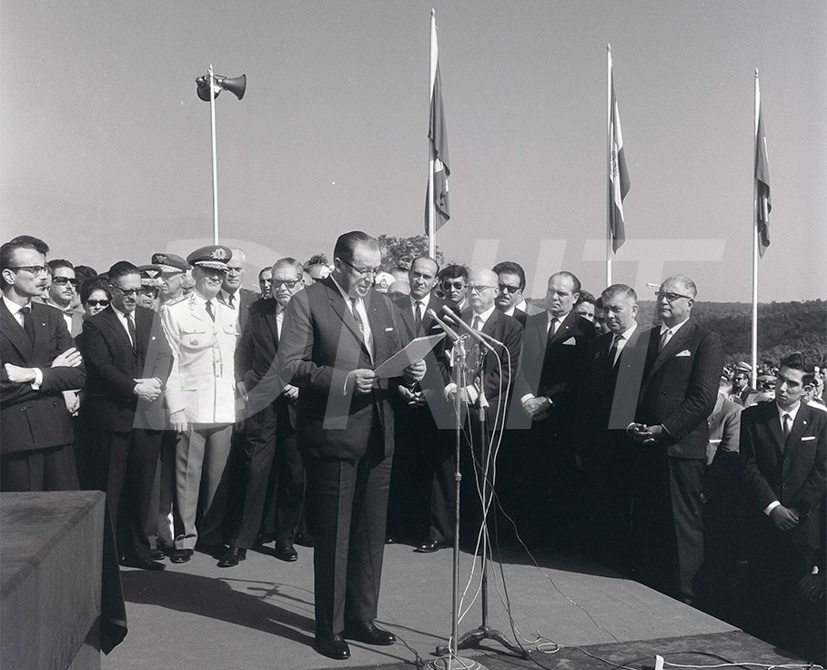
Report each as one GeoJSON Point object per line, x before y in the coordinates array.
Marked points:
{"type": "Point", "coordinates": [774, 426]}
{"type": "Point", "coordinates": [337, 304]}
{"type": "Point", "coordinates": [673, 346]}
{"type": "Point", "coordinates": [408, 319]}
{"type": "Point", "coordinates": [802, 420]}
{"type": "Point", "coordinates": [115, 325]}
{"type": "Point", "coordinates": [564, 330]}
{"type": "Point", "coordinates": [15, 333]}
{"type": "Point", "coordinates": [270, 318]}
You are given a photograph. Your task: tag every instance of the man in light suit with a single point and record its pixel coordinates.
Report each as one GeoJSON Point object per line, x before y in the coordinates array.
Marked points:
{"type": "Point", "coordinates": [272, 470]}
{"type": "Point", "coordinates": [680, 383]}
{"type": "Point", "coordinates": [335, 334]}
{"type": "Point", "coordinates": [128, 361]}
{"type": "Point", "coordinates": [38, 362]}
{"type": "Point", "coordinates": [555, 346]}
{"type": "Point", "coordinates": [784, 464]}
{"type": "Point", "coordinates": [201, 401]}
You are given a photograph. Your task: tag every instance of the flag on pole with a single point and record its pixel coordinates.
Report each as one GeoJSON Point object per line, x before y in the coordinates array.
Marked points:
{"type": "Point", "coordinates": [762, 185]}
{"type": "Point", "coordinates": [439, 147]}
{"type": "Point", "coordinates": [618, 175]}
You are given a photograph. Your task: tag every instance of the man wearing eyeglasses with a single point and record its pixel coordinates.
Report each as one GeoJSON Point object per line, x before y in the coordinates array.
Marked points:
{"type": "Point", "coordinates": [453, 280]}
{"type": "Point", "coordinates": [39, 361]}
{"type": "Point", "coordinates": [678, 391]}
{"type": "Point", "coordinates": [128, 361]}
{"type": "Point", "coordinates": [273, 470]}
{"type": "Point", "coordinates": [201, 401]}
{"type": "Point", "coordinates": [336, 332]}
{"type": "Point", "coordinates": [62, 291]}
{"type": "Point", "coordinates": [741, 389]}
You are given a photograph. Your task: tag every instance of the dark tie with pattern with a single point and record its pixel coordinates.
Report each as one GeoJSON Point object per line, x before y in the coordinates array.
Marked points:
{"type": "Point", "coordinates": [231, 299]}
{"type": "Point", "coordinates": [613, 351]}
{"type": "Point", "coordinates": [786, 421]}
{"type": "Point", "coordinates": [664, 339]}
{"type": "Point", "coordinates": [133, 334]}
{"type": "Point", "coordinates": [357, 316]}
{"type": "Point", "coordinates": [28, 323]}
{"type": "Point", "coordinates": [210, 309]}
{"type": "Point", "coordinates": [418, 317]}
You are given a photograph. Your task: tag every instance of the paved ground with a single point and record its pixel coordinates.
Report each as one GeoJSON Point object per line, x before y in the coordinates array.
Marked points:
{"type": "Point", "coordinates": [260, 614]}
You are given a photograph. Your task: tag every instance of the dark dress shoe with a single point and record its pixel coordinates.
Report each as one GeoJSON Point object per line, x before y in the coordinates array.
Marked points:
{"type": "Point", "coordinates": [286, 552]}
{"type": "Point", "coordinates": [368, 632]}
{"type": "Point", "coordinates": [304, 540]}
{"type": "Point", "coordinates": [180, 556]}
{"type": "Point", "coordinates": [142, 563]}
{"type": "Point", "coordinates": [333, 646]}
{"type": "Point", "coordinates": [157, 555]}
{"type": "Point", "coordinates": [430, 547]}
{"type": "Point", "coordinates": [233, 557]}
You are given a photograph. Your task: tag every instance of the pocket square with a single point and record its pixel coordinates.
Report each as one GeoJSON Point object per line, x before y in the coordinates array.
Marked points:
{"type": "Point", "coordinates": [685, 352]}
{"type": "Point", "coordinates": [807, 439]}
{"type": "Point", "coordinates": [571, 342]}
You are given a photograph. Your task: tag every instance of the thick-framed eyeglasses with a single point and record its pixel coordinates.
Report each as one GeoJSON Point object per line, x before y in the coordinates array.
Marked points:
{"type": "Point", "coordinates": [505, 288]}
{"type": "Point", "coordinates": [671, 297]}
{"type": "Point", "coordinates": [62, 281]}
{"type": "Point", "coordinates": [127, 291]}
{"type": "Point", "coordinates": [479, 288]}
{"type": "Point", "coordinates": [287, 283]}
{"type": "Point", "coordinates": [34, 269]}
{"type": "Point", "coordinates": [364, 273]}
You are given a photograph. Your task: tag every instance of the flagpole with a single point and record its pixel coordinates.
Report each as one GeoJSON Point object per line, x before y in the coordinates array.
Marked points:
{"type": "Point", "coordinates": [214, 158]}
{"type": "Point", "coordinates": [754, 337]}
{"type": "Point", "coordinates": [434, 59]}
{"type": "Point", "coordinates": [608, 164]}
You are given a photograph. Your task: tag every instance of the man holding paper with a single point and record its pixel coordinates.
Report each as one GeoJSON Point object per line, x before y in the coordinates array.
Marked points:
{"type": "Point", "coordinates": [335, 334]}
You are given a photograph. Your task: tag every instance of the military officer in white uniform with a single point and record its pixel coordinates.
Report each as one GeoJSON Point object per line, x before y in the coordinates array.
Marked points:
{"type": "Point", "coordinates": [201, 400]}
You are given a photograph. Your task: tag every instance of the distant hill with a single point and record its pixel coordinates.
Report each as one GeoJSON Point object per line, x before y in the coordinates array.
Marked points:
{"type": "Point", "coordinates": [783, 327]}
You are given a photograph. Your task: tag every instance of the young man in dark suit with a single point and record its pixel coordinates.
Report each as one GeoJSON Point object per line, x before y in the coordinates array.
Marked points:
{"type": "Point", "coordinates": [39, 362]}
{"type": "Point", "coordinates": [784, 465]}
{"type": "Point", "coordinates": [680, 383]}
{"type": "Point", "coordinates": [336, 332]}
{"type": "Point", "coordinates": [555, 346]}
{"type": "Point", "coordinates": [128, 360]}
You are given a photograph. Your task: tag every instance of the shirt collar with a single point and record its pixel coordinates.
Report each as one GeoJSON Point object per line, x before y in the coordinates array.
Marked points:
{"type": "Point", "coordinates": [424, 301]}
{"type": "Point", "coordinates": [13, 307]}
{"type": "Point", "coordinates": [792, 412]}
{"type": "Point", "coordinates": [673, 329]}
{"type": "Point", "coordinates": [626, 334]}
{"type": "Point", "coordinates": [484, 316]}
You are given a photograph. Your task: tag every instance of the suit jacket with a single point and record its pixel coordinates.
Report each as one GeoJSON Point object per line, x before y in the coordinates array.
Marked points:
{"type": "Point", "coordinates": [795, 475]}
{"type": "Point", "coordinates": [112, 366]}
{"type": "Point", "coordinates": [246, 299]}
{"type": "Point", "coordinates": [256, 361]}
{"type": "Point", "coordinates": [320, 344]}
{"type": "Point", "coordinates": [607, 391]}
{"type": "Point", "coordinates": [35, 419]}
{"type": "Point", "coordinates": [680, 385]}
{"type": "Point", "coordinates": [497, 378]}
{"type": "Point", "coordinates": [202, 381]}
{"type": "Point", "coordinates": [552, 368]}
{"type": "Point", "coordinates": [722, 451]}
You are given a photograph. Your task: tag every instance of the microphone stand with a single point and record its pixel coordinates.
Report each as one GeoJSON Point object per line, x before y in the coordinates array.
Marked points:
{"type": "Point", "coordinates": [472, 638]}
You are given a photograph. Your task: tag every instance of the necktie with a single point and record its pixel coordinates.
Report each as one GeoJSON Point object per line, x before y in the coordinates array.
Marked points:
{"type": "Point", "coordinates": [664, 338]}
{"type": "Point", "coordinates": [210, 309]}
{"type": "Point", "coordinates": [357, 316]}
{"type": "Point", "coordinates": [231, 299]}
{"type": "Point", "coordinates": [418, 316]}
{"type": "Point", "coordinates": [613, 351]}
{"type": "Point", "coordinates": [133, 334]}
{"type": "Point", "coordinates": [28, 324]}
{"type": "Point", "coordinates": [552, 328]}
{"type": "Point", "coordinates": [786, 422]}
{"type": "Point", "coordinates": [477, 325]}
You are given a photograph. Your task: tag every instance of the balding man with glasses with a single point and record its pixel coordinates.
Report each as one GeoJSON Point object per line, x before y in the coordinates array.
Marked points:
{"type": "Point", "coordinates": [678, 391]}
{"type": "Point", "coordinates": [39, 361]}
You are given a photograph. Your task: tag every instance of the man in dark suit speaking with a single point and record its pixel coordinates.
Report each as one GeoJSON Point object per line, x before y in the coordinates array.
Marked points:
{"type": "Point", "coordinates": [335, 333]}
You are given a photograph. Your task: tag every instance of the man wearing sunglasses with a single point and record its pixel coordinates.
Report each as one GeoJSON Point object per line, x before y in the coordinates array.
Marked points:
{"type": "Point", "coordinates": [62, 291]}
{"type": "Point", "coordinates": [453, 280]}
{"type": "Point", "coordinates": [511, 284]}
{"type": "Point", "coordinates": [39, 362]}
{"type": "Point", "coordinates": [678, 391]}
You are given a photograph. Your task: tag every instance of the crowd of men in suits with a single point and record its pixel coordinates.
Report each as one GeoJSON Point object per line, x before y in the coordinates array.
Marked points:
{"type": "Point", "coordinates": [218, 419]}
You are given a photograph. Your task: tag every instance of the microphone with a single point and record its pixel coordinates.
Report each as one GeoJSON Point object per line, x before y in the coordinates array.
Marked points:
{"type": "Point", "coordinates": [448, 331]}
{"type": "Point", "coordinates": [451, 317]}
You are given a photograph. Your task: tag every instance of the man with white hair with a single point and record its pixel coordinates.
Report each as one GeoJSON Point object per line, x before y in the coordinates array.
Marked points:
{"type": "Point", "coordinates": [232, 293]}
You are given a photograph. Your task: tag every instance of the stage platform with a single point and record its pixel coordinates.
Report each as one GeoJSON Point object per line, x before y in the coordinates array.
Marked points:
{"type": "Point", "coordinates": [259, 615]}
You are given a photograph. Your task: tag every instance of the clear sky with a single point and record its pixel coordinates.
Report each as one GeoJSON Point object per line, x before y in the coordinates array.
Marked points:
{"type": "Point", "coordinates": [105, 148]}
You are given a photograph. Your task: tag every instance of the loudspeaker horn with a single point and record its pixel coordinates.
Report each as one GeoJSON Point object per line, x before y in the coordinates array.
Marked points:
{"type": "Point", "coordinates": [235, 85]}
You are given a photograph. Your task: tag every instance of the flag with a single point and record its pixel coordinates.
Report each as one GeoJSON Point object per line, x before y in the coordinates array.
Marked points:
{"type": "Point", "coordinates": [762, 186]}
{"type": "Point", "coordinates": [438, 141]}
{"type": "Point", "coordinates": [618, 175]}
